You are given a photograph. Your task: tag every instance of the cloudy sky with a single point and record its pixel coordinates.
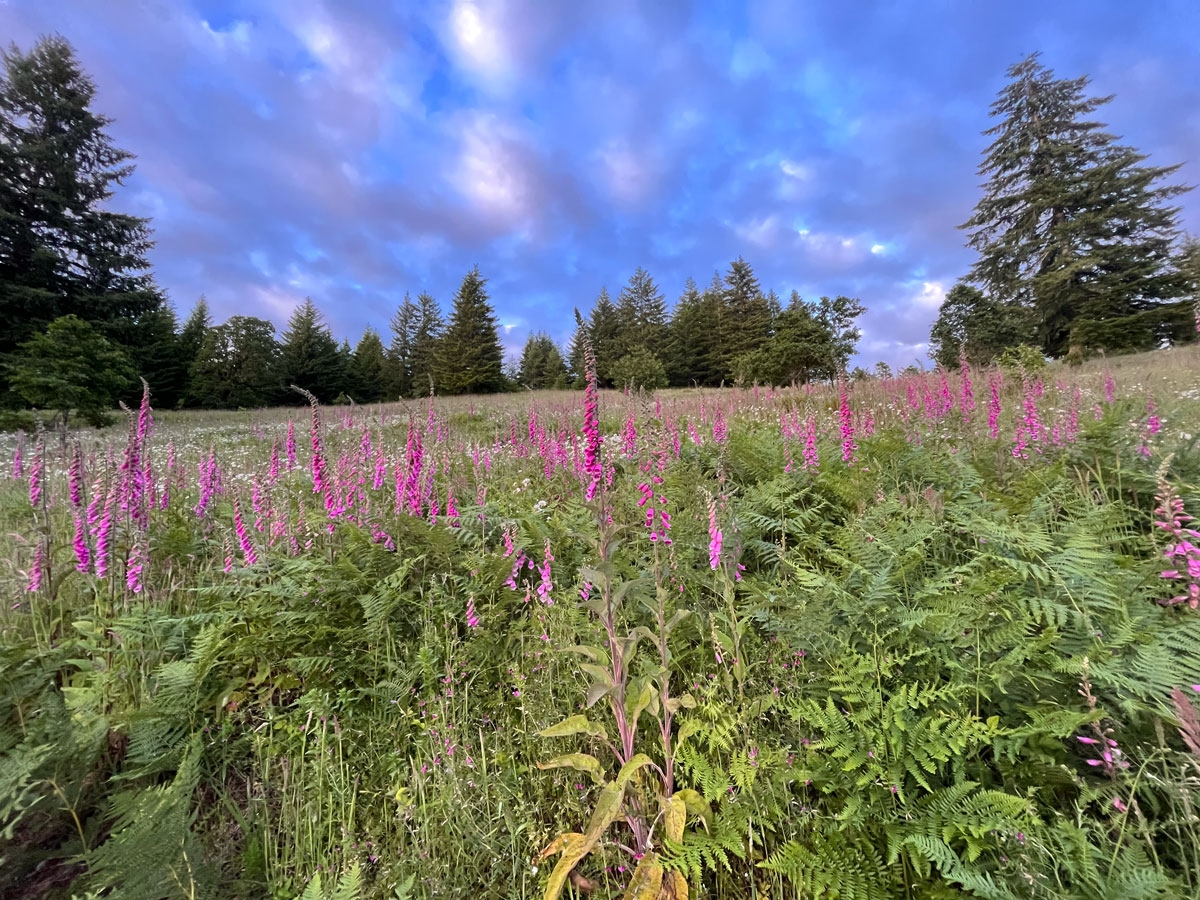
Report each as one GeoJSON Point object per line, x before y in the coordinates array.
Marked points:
{"type": "Point", "coordinates": [350, 150]}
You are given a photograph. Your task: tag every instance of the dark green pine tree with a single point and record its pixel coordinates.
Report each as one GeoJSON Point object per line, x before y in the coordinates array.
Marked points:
{"type": "Point", "coordinates": [63, 251]}
{"type": "Point", "coordinates": [641, 316]}
{"type": "Point", "coordinates": [604, 329]}
{"type": "Point", "coordinates": [310, 356]}
{"type": "Point", "coordinates": [403, 326]}
{"type": "Point", "coordinates": [690, 356]}
{"type": "Point", "coordinates": [239, 366]}
{"type": "Point", "coordinates": [745, 322]}
{"type": "Point", "coordinates": [1071, 224]}
{"type": "Point", "coordinates": [541, 366]}
{"type": "Point", "coordinates": [159, 358]}
{"type": "Point", "coordinates": [470, 359]}
{"type": "Point", "coordinates": [426, 341]}
{"type": "Point", "coordinates": [576, 352]}
{"type": "Point", "coordinates": [191, 338]}
{"type": "Point", "coordinates": [367, 372]}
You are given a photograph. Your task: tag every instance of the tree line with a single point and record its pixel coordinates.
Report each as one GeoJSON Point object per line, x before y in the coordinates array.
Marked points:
{"type": "Point", "coordinates": [1078, 243]}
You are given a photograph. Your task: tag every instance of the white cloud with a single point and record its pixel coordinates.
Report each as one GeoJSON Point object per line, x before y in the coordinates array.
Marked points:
{"type": "Point", "coordinates": [280, 303]}
{"type": "Point", "coordinates": [797, 170]}
{"type": "Point", "coordinates": [490, 172]}
{"type": "Point", "coordinates": [478, 40]}
{"type": "Point", "coordinates": [630, 176]}
{"type": "Point", "coordinates": [762, 232]}
{"type": "Point", "coordinates": [930, 296]}
{"type": "Point", "coordinates": [237, 35]}
{"type": "Point", "coordinates": [877, 249]}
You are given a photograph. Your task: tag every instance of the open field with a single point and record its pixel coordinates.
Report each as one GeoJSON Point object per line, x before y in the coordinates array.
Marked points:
{"type": "Point", "coordinates": [902, 638]}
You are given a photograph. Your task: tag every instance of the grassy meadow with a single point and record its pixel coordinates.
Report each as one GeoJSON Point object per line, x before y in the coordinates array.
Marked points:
{"type": "Point", "coordinates": [901, 638]}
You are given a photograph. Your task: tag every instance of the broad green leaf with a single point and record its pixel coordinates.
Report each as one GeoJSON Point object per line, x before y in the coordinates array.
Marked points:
{"type": "Point", "coordinates": [599, 674]}
{"type": "Point", "coordinates": [637, 699]}
{"type": "Point", "coordinates": [695, 804]}
{"type": "Point", "coordinates": [595, 693]}
{"type": "Point", "coordinates": [574, 725]}
{"type": "Point", "coordinates": [581, 762]}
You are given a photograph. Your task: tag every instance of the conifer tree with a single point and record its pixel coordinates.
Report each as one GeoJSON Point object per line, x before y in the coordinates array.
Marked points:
{"type": "Point", "coordinates": [975, 326]}
{"type": "Point", "coordinates": [604, 329]}
{"type": "Point", "coordinates": [576, 353]}
{"type": "Point", "coordinates": [541, 366]}
{"type": "Point", "coordinates": [310, 358]}
{"type": "Point", "coordinates": [191, 338]}
{"type": "Point", "coordinates": [1071, 224]}
{"type": "Point", "coordinates": [158, 357]}
{"type": "Point", "coordinates": [641, 314]}
{"type": "Point", "coordinates": [691, 338]}
{"type": "Point", "coordinates": [63, 251]}
{"type": "Point", "coordinates": [469, 358]}
{"type": "Point", "coordinates": [403, 325]}
{"type": "Point", "coordinates": [746, 315]}
{"type": "Point", "coordinates": [366, 373]}
{"type": "Point", "coordinates": [426, 340]}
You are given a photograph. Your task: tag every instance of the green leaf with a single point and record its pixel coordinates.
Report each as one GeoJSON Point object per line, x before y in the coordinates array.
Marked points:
{"type": "Point", "coordinates": [581, 762]}
{"type": "Point", "coordinates": [574, 725]}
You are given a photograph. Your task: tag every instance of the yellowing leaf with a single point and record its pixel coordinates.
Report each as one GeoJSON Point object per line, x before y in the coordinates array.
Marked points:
{"type": "Point", "coordinates": [674, 818]}
{"type": "Point", "coordinates": [573, 725]}
{"type": "Point", "coordinates": [647, 879]}
{"type": "Point", "coordinates": [674, 887]}
{"type": "Point", "coordinates": [581, 762]}
{"type": "Point", "coordinates": [695, 805]}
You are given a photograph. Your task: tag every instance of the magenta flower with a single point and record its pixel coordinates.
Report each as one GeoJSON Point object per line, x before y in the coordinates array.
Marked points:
{"type": "Point", "coordinates": [849, 447]}
{"type": "Point", "coordinates": [472, 615]}
{"type": "Point", "coordinates": [133, 569]}
{"type": "Point", "coordinates": [714, 535]}
{"type": "Point", "coordinates": [83, 553]}
{"type": "Point", "coordinates": [37, 473]}
{"type": "Point", "coordinates": [547, 583]}
{"type": "Point", "coordinates": [75, 477]}
{"type": "Point", "coordinates": [239, 527]}
{"type": "Point", "coordinates": [39, 568]}
{"type": "Point", "coordinates": [592, 465]}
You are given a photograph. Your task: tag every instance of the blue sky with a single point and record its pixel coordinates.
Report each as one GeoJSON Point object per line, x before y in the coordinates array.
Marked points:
{"type": "Point", "coordinates": [351, 151]}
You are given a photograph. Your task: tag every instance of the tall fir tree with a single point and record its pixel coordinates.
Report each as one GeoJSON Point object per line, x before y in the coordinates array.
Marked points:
{"type": "Point", "coordinates": [745, 322]}
{"type": "Point", "coordinates": [1071, 224]}
{"type": "Point", "coordinates": [641, 316]}
{"type": "Point", "coordinates": [690, 356]}
{"type": "Point", "coordinates": [366, 376]}
{"type": "Point", "coordinates": [604, 329]}
{"type": "Point", "coordinates": [577, 352]}
{"type": "Point", "coordinates": [310, 357]}
{"type": "Point", "coordinates": [426, 342]}
{"type": "Point", "coordinates": [470, 359]}
{"type": "Point", "coordinates": [541, 365]}
{"type": "Point", "coordinates": [191, 338]}
{"type": "Point", "coordinates": [63, 250]}
{"type": "Point", "coordinates": [403, 327]}
{"type": "Point", "coordinates": [159, 358]}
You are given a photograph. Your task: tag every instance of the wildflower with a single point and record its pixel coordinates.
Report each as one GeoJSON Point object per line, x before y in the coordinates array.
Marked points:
{"type": "Point", "coordinates": [243, 537]}
{"type": "Point", "coordinates": [103, 534]}
{"type": "Point", "coordinates": [547, 584]}
{"type": "Point", "coordinates": [39, 568]}
{"type": "Point", "coordinates": [75, 477]}
{"type": "Point", "coordinates": [592, 465]}
{"type": "Point", "coordinates": [994, 383]}
{"type": "Point", "coordinates": [714, 535]}
{"type": "Point", "coordinates": [290, 445]}
{"type": "Point", "coordinates": [133, 569]}
{"type": "Point", "coordinates": [849, 448]}
{"type": "Point", "coordinates": [37, 472]}
{"type": "Point", "coordinates": [83, 553]}
{"type": "Point", "coordinates": [472, 615]}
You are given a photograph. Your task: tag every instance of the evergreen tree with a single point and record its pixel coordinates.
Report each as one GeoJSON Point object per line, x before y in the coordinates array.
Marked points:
{"type": "Point", "coordinates": [310, 357]}
{"type": "Point", "coordinates": [1071, 224]}
{"type": "Point", "coordinates": [691, 354]}
{"type": "Point", "coordinates": [745, 321]}
{"type": "Point", "coordinates": [541, 366]}
{"type": "Point", "coordinates": [345, 387]}
{"type": "Point", "coordinates": [62, 250]}
{"type": "Point", "coordinates": [159, 358]}
{"type": "Point", "coordinates": [426, 341]}
{"type": "Point", "coordinates": [470, 359]}
{"type": "Point", "coordinates": [641, 315]}
{"type": "Point", "coordinates": [71, 366]}
{"type": "Point", "coordinates": [604, 329]}
{"type": "Point", "coordinates": [403, 327]}
{"type": "Point", "coordinates": [191, 338]}
{"type": "Point", "coordinates": [576, 353]}
{"type": "Point", "coordinates": [973, 325]}
{"type": "Point", "coordinates": [366, 374]}
{"type": "Point", "coordinates": [238, 366]}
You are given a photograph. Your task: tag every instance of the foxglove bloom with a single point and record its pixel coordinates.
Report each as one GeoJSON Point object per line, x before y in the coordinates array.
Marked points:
{"type": "Point", "coordinates": [714, 536]}
{"type": "Point", "coordinates": [472, 614]}
{"type": "Point", "coordinates": [592, 466]}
